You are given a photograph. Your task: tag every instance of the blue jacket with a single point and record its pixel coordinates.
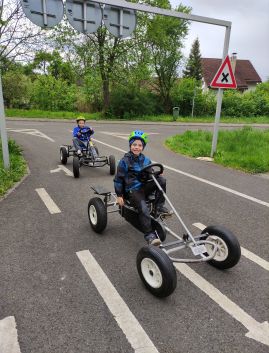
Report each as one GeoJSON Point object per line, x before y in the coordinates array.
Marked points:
{"type": "Point", "coordinates": [128, 169]}
{"type": "Point", "coordinates": [83, 137]}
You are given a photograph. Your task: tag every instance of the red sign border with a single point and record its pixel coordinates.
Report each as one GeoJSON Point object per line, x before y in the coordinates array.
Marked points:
{"type": "Point", "coordinates": [214, 83]}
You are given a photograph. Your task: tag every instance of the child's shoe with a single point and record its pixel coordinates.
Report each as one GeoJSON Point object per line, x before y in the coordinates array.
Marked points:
{"type": "Point", "coordinates": [152, 239]}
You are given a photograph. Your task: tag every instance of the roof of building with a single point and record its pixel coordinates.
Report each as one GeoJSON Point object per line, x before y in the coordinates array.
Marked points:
{"type": "Point", "coordinates": [245, 72]}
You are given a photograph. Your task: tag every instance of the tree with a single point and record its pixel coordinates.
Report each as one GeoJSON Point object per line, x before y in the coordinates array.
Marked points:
{"type": "Point", "coordinates": [194, 64]}
{"type": "Point", "coordinates": [100, 52]}
{"type": "Point", "coordinates": [18, 36]}
{"type": "Point", "coordinates": [165, 36]}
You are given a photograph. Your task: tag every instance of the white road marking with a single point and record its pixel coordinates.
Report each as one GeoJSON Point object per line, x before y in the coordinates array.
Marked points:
{"type": "Point", "coordinates": [257, 331]}
{"type": "Point", "coordinates": [33, 132]}
{"type": "Point", "coordinates": [123, 136]}
{"type": "Point", "coordinates": [9, 336]}
{"type": "Point", "coordinates": [130, 326]}
{"type": "Point", "coordinates": [62, 168]}
{"type": "Point", "coordinates": [248, 254]}
{"type": "Point", "coordinates": [50, 204]}
{"type": "Point", "coordinates": [254, 199]}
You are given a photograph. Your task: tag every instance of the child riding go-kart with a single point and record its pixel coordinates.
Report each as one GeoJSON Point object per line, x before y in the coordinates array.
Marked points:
{"type": "Point", "coordinates": [84, 151]}
{"type": "Point", "coordinates": [216, 245]}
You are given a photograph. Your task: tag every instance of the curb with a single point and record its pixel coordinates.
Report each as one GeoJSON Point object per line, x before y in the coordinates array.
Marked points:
{"type": "Point", "coordinates": [138, 122]}
{"type": "Point", "coordinates": [17, 184]}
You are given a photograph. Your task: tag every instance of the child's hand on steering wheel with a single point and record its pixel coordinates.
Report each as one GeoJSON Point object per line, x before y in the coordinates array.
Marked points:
{"type": "Point", "coordinates": [120, 201]}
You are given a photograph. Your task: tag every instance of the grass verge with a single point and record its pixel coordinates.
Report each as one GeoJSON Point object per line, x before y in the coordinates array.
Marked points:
{"type": "Point", "coordinates": [17, 167]}
{"type": "Point", "coordinates": [41, 114]}
{"type": "Point", "coordinates": [246, 149]}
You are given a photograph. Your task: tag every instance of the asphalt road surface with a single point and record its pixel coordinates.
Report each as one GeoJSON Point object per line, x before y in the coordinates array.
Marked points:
{"type": "Point", "coordinates": [66, 289]}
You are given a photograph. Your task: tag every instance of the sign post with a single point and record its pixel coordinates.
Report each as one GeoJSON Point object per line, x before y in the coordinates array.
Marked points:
{"type": "Point", "coordinates": [3, 130]}
{"type": "Point", "coordinates": [224, 78]}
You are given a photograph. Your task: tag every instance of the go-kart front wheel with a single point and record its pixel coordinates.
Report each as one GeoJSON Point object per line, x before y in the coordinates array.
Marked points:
{"type": "Point", "coordinates": [229, 251]}
{"type": "Point", "coordinates": [63, 155]}
{"type": "Point", "coordinates": [112, 164]}
{"type": "Point", "coordinates": [156, 271]}
{"type": "Point", "coordinates": [76, 166]}
{"type": "Point", "coordinates": [97, 214]}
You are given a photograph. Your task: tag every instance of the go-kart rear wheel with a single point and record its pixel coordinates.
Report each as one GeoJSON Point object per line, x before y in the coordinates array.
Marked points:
{"type": "Point", "coordinates": [63, 155]}
{"type": "Point", "coordinates": [229, 251]}
{"type": "Point", "coordinates": [97, 214]}
{"type": "Point", "coordinates": [112, 164]}
{"type": "Point", "coordinates": [156, 271]}
{"type": "Point", "coordinates": [76, 166]}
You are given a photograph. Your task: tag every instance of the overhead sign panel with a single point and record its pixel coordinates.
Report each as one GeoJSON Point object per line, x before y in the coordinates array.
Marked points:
{"type": "Point", "coordinates": [119, 21]}
{"type": "Point", "coordinates": [224, 78]}
{"type": "Point", "coordinates": [85, 16]}
{"type": "Point", "coordinates": [43, 13]}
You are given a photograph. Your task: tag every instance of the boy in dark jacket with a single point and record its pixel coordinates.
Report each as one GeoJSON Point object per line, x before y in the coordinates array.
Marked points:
{"type": "Point", "coordinates": [126, 182]}
{"type": "Point", "coordinates": [80, 135]}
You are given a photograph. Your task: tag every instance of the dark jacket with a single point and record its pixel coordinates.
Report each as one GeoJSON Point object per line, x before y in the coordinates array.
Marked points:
{"type": "Point", "coordinates": [128, 169]}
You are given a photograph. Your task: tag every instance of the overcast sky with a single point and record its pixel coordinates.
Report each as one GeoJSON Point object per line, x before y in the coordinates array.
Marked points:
{"type": "Point", "coordinates": [249, 35]}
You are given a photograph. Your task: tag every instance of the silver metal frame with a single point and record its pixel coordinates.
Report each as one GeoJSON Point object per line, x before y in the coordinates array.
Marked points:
{"type": "Point", "coordinates": [189, 242]}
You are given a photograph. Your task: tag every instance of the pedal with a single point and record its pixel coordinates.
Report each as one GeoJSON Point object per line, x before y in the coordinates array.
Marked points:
{"type": "Point", "coordinates": [166, 215]}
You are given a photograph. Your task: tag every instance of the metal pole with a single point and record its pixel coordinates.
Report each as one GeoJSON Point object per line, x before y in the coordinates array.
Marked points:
{"type": "Point", "coordinates": [220, 95]}
{"type": "Point", "coordinates": [194, 94]}
{"type": "Point", "coordinates": [3, 130]}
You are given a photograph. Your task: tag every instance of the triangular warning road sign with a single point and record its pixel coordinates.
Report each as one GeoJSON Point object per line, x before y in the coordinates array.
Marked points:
{"type": "Point", "coordinates": [224, 78]}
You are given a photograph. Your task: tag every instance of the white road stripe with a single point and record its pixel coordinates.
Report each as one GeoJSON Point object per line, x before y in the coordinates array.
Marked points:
{"type": "Point", "coordinates": [9, 336]}
{"type": "Point", "coordinates": [254, 199]}
{"type": "Point", "coordinates": [248, 254]}
{"type": "Point", "coordinates": [133, 331]}
{"type": "Point", "coordinates": [50, 204]}
{"type": "Point", "coordinates": [33, 132]}
{"type": "Point", "coordinates": [62, 168]}
{"type": "Point", "coordinates": [257, 331]}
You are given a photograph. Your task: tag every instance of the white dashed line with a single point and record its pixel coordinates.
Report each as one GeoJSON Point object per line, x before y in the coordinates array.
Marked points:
{"type": "Point", "coordinates": [9, 336]}
{"type": "Point", "coordinates": [248, 254]}
{"type": "Point", "coordinates": [130, 326]}
{"type": "Point", "coordinates": [50, 204]}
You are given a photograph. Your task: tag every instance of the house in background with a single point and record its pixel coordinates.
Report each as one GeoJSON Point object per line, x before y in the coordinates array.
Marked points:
{"type": "Point", "coordinates": [245, 74]}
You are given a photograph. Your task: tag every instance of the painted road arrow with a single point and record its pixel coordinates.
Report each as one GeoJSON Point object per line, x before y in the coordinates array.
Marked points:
{"type": "Point", "coordinates": [62, 168]}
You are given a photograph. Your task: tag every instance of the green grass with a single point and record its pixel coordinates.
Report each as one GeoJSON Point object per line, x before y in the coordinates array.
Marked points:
{"type": "Point", "coordinates": [17, 167]}
{"type": "Point", "coordinates": [246, 149]}
{"type": "Point", "coordinates": [42, 114]}
{"type": "Point", "coordinates": [22, 113]}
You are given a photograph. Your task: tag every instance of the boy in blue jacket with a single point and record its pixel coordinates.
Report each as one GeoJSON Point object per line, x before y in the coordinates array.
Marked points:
{"type": "Point", "coordinates": [81, 134]}
{"type": "Point", "coordinates": [126, 182]}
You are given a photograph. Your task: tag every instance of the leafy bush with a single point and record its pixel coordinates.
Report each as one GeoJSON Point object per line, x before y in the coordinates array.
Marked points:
{"type": "Point", "coordinates": [127, 102]}
{"type": "Point", "coordinates": [17, 88]}
{"type": "Point", "coordinates": [53, 94]}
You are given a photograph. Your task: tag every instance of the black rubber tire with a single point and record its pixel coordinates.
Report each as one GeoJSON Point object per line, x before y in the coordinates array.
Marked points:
{"type": "Point", "coordinates": [166, 267]}
{"type": "Point", "coordinates": [100, 213]}
{"type": "Point", "coordinates": [233, 246]}
{"type": "Point", "coordinates": [112, 164]}
{"type": "Point", "coordinates": [96, 149]}
{"type": "Point", "coordinates": [76, 166]}
{"type": "Point", "coordinates": [63, 155]}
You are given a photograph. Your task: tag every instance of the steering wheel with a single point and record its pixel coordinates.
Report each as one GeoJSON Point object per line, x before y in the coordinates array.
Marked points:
{"type": "Point", "coordinates": [85, 130]}
{"type": "Point", "coordinates": [146, 172]}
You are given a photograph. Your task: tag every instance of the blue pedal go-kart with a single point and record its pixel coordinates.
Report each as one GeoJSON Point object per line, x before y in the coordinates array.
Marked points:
{"type": "Point", "coordinates": [215, 244]}
{"type": "Point", "coordinates": [90, 156]}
